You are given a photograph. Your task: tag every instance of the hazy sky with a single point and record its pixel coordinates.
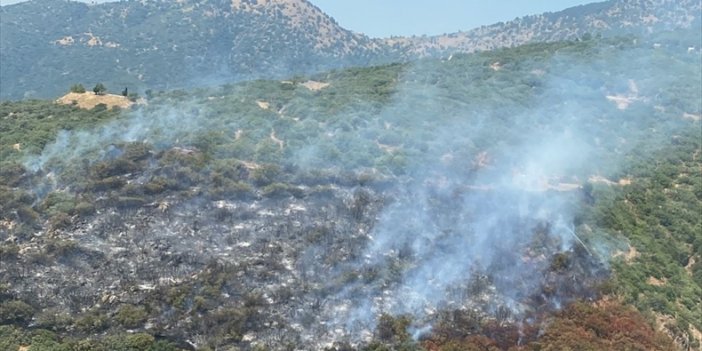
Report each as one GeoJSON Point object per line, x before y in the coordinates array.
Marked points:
{"type": "Point", "coordinates": [383, 18]}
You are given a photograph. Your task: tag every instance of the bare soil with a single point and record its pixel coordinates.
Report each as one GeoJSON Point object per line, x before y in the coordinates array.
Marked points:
{"type": "Point", "coordinates": [89, 100]}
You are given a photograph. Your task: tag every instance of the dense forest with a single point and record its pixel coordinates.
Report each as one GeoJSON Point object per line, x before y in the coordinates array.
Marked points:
{"type": "Point", "coordinates": [542, 197]}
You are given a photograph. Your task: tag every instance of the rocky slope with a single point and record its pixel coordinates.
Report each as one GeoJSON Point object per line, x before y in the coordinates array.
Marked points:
{"type": "Point", "coordinates": [602, 18]}
{"type": "Point", "coordinates": [167, 44]}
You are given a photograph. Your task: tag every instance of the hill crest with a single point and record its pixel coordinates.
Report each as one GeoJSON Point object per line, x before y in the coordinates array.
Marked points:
{"type": "Point", "coordinates": [89, 100]}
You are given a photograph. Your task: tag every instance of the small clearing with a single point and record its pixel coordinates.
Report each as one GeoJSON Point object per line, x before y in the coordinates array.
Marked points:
{"type": "Point", "coordinates": [9, 225]}
{"type": "Point", "coordinates": [695, 333]}
{"type": "Point", "coordinates": [563, 187]}
{"type": "Point", "coordinates": [93, 40]}
{"type": "Point", "coordinates": [691, 262]}
{"type": "Point", "coordinates": [603, 180]}
{"type": "Point", "coordinates": [250, 165]}
{"type": "Point", "coordinates": [89, 100]}
{"type": "Point", "coordinates": [692, 117]}
{"type": "Point", "coordinates": [621, 101]}
{"type": "Point", "coordinates": [314, 85]}
{"type": "Point", "coordinates": [624, 181]}
{"type": "Point", "coordinates": [628, 256]}
{"type": "Point", "coordinates": [275, 139]}
{"type": "Point", "coordinates": [624, 100]}
{"type": "Point", "coordinates": [390, 149]}
{"type": "Point", "coordinates": [655, 281]}
{"type": "Point", "coordinates": [65, 41]}
{"type": "Point", "coordinates": [263, 104]}
{"type": "Point", "coordinates": [481, 160]}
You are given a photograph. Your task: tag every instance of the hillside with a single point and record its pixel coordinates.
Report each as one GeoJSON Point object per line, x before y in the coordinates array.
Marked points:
{"type": "Point", "coordinates": [166, 44]}
{"type": "Point", "coordinates": [48, 45]}
{"type": "Point", "coordinates": [605, 18]}
{"type": "Point", "coordinates": [90, 100]}
{"type": "Point", "coordinates": [542, 197]}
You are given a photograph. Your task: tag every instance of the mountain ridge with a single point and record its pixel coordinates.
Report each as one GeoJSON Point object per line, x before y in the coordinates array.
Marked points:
{"type": "Point", "coordinates": [607, 17]}
{"type": "Point", "coordinates": [185, 43]}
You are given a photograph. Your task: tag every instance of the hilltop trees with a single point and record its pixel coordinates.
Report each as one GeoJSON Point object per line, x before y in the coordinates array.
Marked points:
{"type": "Point", "coordinates": [77, 88]}
{"type": "Point", "coordinates": [99, 89]}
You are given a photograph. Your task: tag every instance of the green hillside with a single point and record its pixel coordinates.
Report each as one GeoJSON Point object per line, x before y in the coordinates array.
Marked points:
{"type": "Point", "coordinates": [49, 44]}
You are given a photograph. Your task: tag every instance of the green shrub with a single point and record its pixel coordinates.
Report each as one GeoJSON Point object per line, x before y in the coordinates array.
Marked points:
{"type": "Point", "coordinates": [266, 174]}
{"type": "Point", "coordinates": [53, 320]}
{"type": "Point", "coordinates": [11, 338]}
{"type": "Point", "coordinates": [58, 202]}
{"type": "Point", "coordinates": [277, 190]}
{"type": "Point", "coordinates": [136, 151]}
{"type": "Point", "coordinates": [133, 97]}
{"type": "Point", "coordinates": [99, 89]}
{"type": "Point", "coordinates": [92, 322]}
{"type": "Point", "coordinates": [27, 215]}
{"type": "Point", "coordinates": [61, 248]}
{"type": "Point", "coordinates": [559, 262]}
{"type": "Point", "coordinates": [84, 209]}
{"type": "Point", "coordinates": [15, 312]}
{"type": "Point", "coordinates": [101, 107]}
{"type": "Point", "coordinates": [126, 202]}
{"type": "Point", "coordinates": [135, 342]}
{"type": "Point", "coordinates": [231, 189]}
{"type": "Point", "coordinates": [183, 157]}
{"type": "Point", "coordinates": [184, 177]}
{"type": "Point", "coordinates": [118, 166]}
{"type": "Point", "coordinates": [44, 340]}
{"type": "Point", "coordinates": [393, 329]}
{"type": "Point", "coordinates": [11, 173]}
{"type": "Point", "coordinates": [110, 183]}
{"type": "Point", "coordinates": [157, 185]}
{"type": "Point", "coordinates": [8, 251]}
{"type": "Point", "coordinates": [230, 169]}
{"type": "Point", "coordinates": [60, 221]}
{"type": "Point", "coordinates": [77, 88]}
{"type": "Point", "coordinates": [130, 316]}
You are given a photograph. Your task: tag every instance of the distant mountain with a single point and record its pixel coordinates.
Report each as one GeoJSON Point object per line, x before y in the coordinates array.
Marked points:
{"type": "Point", "coordinates": [620, 17]}
{"type": "Point", "coordinates": [47, 45]}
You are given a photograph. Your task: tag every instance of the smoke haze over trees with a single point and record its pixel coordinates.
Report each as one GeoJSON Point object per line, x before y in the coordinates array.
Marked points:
{"type": "Point", "coordinates": [540, 197]}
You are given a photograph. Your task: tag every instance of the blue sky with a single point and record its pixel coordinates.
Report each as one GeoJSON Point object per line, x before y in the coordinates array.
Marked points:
{"type": "Point", "coordinates": [383, 18]}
